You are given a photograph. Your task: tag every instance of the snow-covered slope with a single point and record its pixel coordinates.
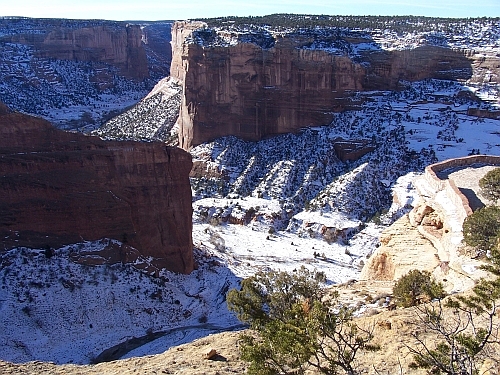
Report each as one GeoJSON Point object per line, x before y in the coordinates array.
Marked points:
{"type": "Point", "coordinates": [354, 35]}
{"type": "Point", "coordinates": [153, 118]}
{"type": "Point", "coordinates": [73, 94]}
{"type": "Point", "coordinates": [279, 203]}
{"type": "Point", "coordinates": [52, 309]}
{"type": "Point", "coordinates": [408, 130]}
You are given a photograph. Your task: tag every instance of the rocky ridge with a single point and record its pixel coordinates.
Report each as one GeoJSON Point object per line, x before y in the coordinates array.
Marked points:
{"type": "Point", "coordinates": [430, 236]}
{"type": "Point", "coordinates": [253, 81]}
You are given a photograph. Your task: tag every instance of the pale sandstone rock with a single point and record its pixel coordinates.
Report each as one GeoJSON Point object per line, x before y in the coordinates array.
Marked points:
{"type": "Point", "coordinates": [403, 249]}
{"type": "Point", "coordinates": [210, 353]}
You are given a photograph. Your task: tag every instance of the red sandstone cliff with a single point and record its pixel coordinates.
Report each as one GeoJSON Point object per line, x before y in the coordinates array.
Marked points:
{"type": "Point", "coordinates": [59, 188]}
{"type": "Point", "coordinates": [118, 46]}
{"type": "Point", "coordinates": [250, 91]}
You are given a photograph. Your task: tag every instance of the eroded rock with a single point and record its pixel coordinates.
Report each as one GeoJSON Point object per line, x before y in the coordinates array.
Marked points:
{"type": "Point", "coordinates": [252, 89]}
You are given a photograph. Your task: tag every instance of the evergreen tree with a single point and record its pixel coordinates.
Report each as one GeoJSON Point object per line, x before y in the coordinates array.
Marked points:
{"type": "Point", "coordinates": [296, 325]}
{"type": "Point", "coordinates": [490, 185]}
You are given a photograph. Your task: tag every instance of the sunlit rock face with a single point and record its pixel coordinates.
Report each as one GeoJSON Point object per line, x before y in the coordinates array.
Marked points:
{"type": "Point", "coordinates": [256, 85]}
{"type": "Point", "coordinates": [59, 188]}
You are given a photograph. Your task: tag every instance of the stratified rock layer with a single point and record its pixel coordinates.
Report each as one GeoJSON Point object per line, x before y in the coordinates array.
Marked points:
{"type": "Point", "coordinates": [58, 188]}
{"type": "Point", "coordinates": [116, 44]}
{"type": "Point", "coordinates": [254, 91]}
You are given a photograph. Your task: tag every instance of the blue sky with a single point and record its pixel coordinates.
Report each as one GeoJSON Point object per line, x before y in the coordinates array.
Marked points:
{"type": "Point", "coordinates": [187, 9]}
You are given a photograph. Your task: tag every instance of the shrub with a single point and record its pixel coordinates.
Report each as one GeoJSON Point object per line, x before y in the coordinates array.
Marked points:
{"type": "Point", "coordinates": [490, 184]}
{"type": "Point", "coordinates": [415, 287]}
{"type": "Point", "coordinates": [295, 326]}
{"type": "Point", "coordinates": [466, 329]}
{"type": "Point", "coordinates": [482, 228]}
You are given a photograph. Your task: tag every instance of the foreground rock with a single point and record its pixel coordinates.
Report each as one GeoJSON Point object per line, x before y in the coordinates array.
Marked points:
{"type": "Point", "coordinates": [60, 188]}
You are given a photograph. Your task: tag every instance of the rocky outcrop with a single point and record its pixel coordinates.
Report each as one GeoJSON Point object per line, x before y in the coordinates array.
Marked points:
{"type": "Point", "coordinates": [59, 188]}
{"type": "Point", "coordinates": [257, 88]}
{"type": "Point", "coordinates": [430, 236]}
{"type": "Point", "coordinates": [352, 149]}
{"type": "Point", "coordinates": [402, 249]}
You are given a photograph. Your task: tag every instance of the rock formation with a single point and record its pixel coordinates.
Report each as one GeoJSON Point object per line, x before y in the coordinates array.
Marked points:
{"type": "Point", "coordinates": [78, 74]}
{"type": "Point", "coordinates": [270, 84]}
{"type": "Point", "coordinates": [59, 188]}
{"type": "Point", "coordinates": [115, 44]}
{"type": "Point", "coordinates": [430, 236]}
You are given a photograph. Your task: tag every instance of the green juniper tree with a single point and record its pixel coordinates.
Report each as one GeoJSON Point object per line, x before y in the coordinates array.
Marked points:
{"type": "Point", "coordinates": [296, 325]}
{"type": "Point", "coordinates": [490, 184]}
{"type": "Point", "coordinates": [482, 229]}
{"type": "Point", "coordinates": [416, 287]}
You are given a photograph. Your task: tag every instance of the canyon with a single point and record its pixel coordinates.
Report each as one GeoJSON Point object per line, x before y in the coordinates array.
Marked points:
{"type": "Point", "coordinates": [271, 189]}
{"type": "Point", "coordinates": [80, 73]}
{"type": "Point", "coordinates": [59, 188]}
{"type": "Point", "coordinates": [117, 46]}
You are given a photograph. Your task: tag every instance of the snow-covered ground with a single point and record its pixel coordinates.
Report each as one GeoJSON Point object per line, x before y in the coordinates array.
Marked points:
{"type": "Point", "coordinates": [55, 310]}
{"type": "Point", "coordinates": [280, 203]}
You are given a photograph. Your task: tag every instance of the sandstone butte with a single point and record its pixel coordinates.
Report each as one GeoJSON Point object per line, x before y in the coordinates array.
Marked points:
{"type": "Point", "coordinates": [252, 92]}
{"type": "Point", "coordinates": [60, 188]}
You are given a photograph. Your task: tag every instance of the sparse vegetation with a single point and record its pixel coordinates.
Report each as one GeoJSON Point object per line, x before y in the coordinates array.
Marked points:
{"type": "Point", "coordinates": [467, 328]}
{"type": "Point", "coordinates": [399, 24]}
{"type": "Point", "coordinates": [297, 325]}
{"type": "Point", "coordinates": [416, 287]}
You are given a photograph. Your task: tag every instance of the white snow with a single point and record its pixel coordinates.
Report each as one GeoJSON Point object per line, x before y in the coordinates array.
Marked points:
{"type": "Point", "coordinates": [282, 203]}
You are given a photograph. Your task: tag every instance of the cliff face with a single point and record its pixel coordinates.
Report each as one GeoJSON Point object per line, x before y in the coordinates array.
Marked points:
{"type": "Point", "coordinates": [60, 188]}
{"type": "Point", "coordinates": [279, 85]}
{"type": "Point", "coordinates": [121, 47]}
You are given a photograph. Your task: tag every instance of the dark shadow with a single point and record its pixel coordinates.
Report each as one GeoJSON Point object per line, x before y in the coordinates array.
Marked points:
{"type": "Point", "coordinates": [219, 358]}
{"type": "Point", "coordinates": [474, 202]}
{"type": "Point", "coordinates": [119, 350]}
